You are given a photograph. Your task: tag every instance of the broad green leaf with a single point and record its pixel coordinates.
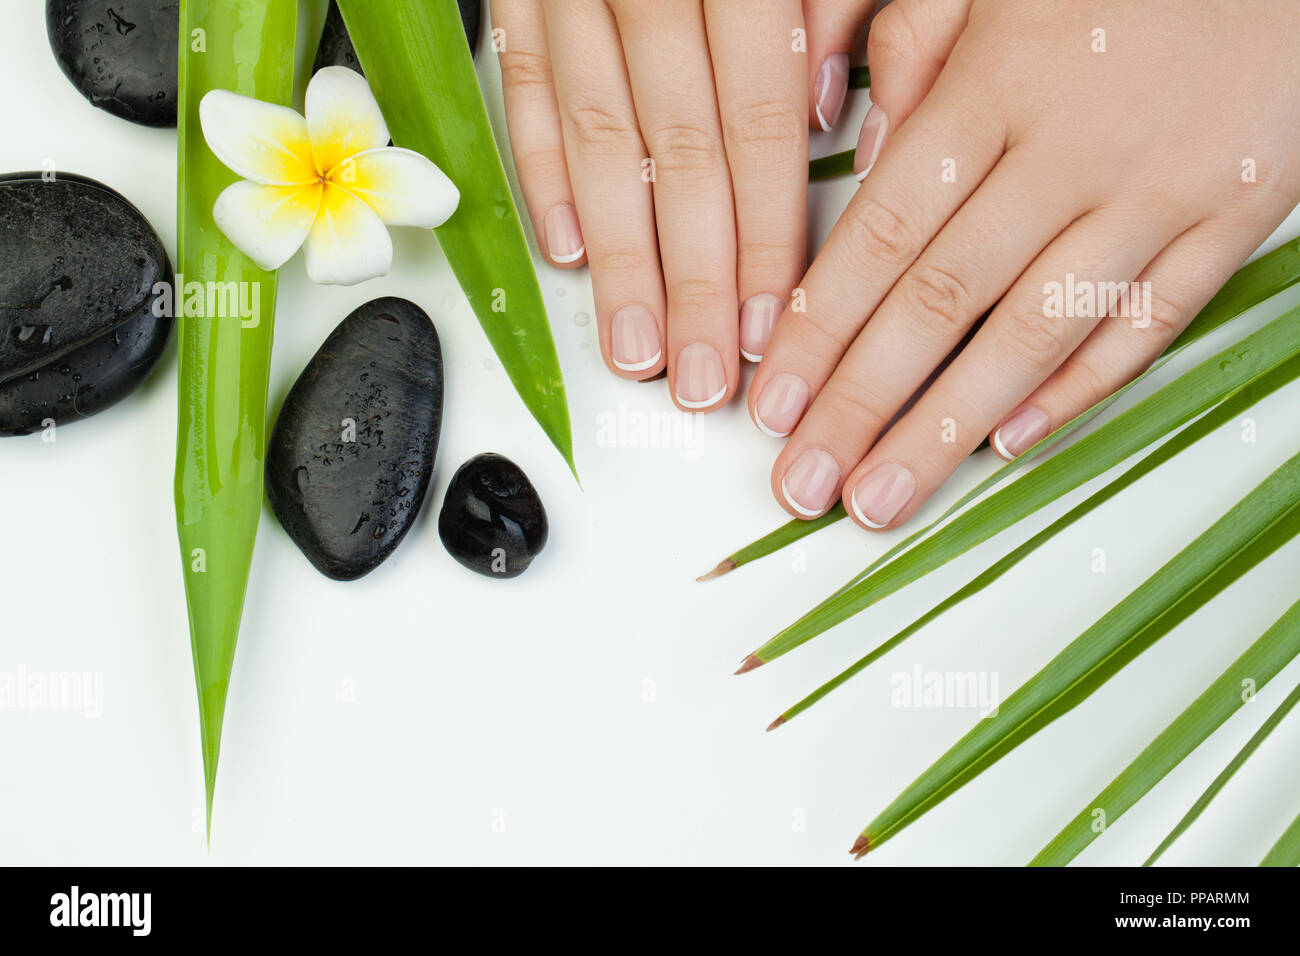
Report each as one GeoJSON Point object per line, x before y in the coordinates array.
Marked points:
{"type": "Point", "coordinates": [1254, 283]}
{"type": "Point", "coordinates": [1222, 779]}
{"type": "Point", "coordinates": [417, 61]}
{"type": "Point", "coordinates": [1260, 663]}
{"type": "Point", "coordinates": [1254, 528]}
{"type": "Point", "coordinates": [1190, 395]}
{"type": "Point", "coordinates": [1223, 413]}
{"type": "Point", "coordinates": [247, 46]}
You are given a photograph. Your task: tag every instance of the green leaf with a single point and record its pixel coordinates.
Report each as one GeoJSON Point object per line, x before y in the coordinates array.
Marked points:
{"type": "Point", "coordinates": [1254, 528]}
{"type": "Point", "coordinates": [1226, 411]}
{"type": "Point", "coordinates": [1174, 405]}
{"type": "Point", "coordinates": [1222, 779]}
{"type": "Point", "coordinates": [1252, 284]}
{"type": "Point", "coordinates": [831, 167]}
{"type": "Point", "coordinates": [418, 63]}
{"type": "Point", "coordinates": [1286, 851]}
{"type": "Point", "coordinates": [247, 46]}
{"type": "Point", "coordinates": [1260, 663]}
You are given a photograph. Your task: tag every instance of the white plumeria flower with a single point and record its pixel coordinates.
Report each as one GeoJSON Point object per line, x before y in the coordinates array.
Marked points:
{"type": "Point", "coordinates": [330, 181]}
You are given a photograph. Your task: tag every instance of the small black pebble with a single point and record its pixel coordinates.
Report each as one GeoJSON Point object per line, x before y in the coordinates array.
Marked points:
{"type": "Point", "coordinates": [492, 519]}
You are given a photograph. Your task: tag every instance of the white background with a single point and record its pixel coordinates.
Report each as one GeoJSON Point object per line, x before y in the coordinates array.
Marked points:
{"type": "Point", "coordinates": [585, 712]}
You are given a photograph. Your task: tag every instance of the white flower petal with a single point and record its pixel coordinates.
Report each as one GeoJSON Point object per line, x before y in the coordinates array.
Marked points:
{"type": "Point", "coordinates": [348, 242]}
{"type": "Point", "coordinates": [267, 223]}
{"type": "Point", "coordinates": [260, 141]}
{"type": "Point", "coordinates": [343, 118]}
{"type": "Point", "coordinates": [403, 187]}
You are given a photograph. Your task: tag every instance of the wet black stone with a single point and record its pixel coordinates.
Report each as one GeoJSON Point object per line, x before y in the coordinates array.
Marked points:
{"type": "Point", "coordinates": [492, 519]}
{"type": "Point", "coordinates": [348, 503]}
{"type": "Point", "coordinates": [78, 266]}
{"type": "Point", "coordinates": [336, 47]}
{"type": "Point", "coordinates": [87, 380]}
{"type": "Point", "coordinates": [121, 54]}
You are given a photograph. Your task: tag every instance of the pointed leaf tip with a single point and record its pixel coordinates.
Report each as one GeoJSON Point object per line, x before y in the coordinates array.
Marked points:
{"type": "Point", "coordinates": [725, 566]}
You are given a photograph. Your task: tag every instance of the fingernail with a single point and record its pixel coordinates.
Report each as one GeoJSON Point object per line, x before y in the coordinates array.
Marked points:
{"type": "Point", "coordinates": [1021, 432]}
{"type": "Point", "coordinates": [832, 84]}
{"type": "Point", "coordinates": [634, 339]}
{"type": "Point", "coordinates": [757, 319]}
{"type": "Point", "coordinates": [701, 379]}
{"type": "Point", "coordinates": [563, 235]}
{"type": "Point", "coordinates": [870, 141]}
{"type": "Point", "coordinates": [781, 404]}
{"type": "Point", "coordinates": [881, 495]}
{"type": "Point", "coordinates": [811, 482]}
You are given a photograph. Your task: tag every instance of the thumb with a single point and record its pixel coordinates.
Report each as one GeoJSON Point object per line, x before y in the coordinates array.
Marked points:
{"type": "Point", "coordinates": [908, 46]}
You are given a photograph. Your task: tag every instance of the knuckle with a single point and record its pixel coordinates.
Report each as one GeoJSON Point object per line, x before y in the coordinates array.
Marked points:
{"type": "Point", "coordinates": [768, 260]}
{"type": "Point", "coordinates": [768, 128]}
{"type": "Point", "coordinates": [697, 295]}
{"type": "Point", "coordinates": [687, 150]}
{"type": "Point", "coordinates": [857, 405]}
{"type": "Point", "coordinates": [521, 70]}
{"type": "Point", "coordinates": [938, 299]}
{"type": "Point", "coordinates": [891, 36]}
{"type": "Point", "coordinates": [877, 233]}
{"type": "Point", "coordinates": [813, 333]}
{"type": "Point", "coordinates": [1084, 383]}
{"type": "Point", "coordinates": [1036, 339]}
{"type": "Point", "coordinates": [545, 164]}
{"type": "Point", "coordinates": [618, 259]}
{"type": "Point", "coordinates": [599, 130]}
{"type": "Point", "coordinates": [1164, 317]}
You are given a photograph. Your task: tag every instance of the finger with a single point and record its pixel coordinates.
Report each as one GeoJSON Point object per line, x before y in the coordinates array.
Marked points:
{"type": "Point", "coordinates": [668, 62]}
{"type": "Point", "coordinates": [533, 117]}
{"type": "Point", "coordinates": [888, 224]}
{"type": "Point", "coordinates": [614, 203]}
{"type": "Point", "coordinates": [968, 267]}
{"type": "Point", "coordinates": [1173, 289]}
{"type": "Point", "coordinates": [1044, 317]}
{"type": "Point", "coordinates": [832, 31]}
{"type": "Point", "coordinates": [761, 90]}
{"type": "Point", "coordinates": [908, 46]}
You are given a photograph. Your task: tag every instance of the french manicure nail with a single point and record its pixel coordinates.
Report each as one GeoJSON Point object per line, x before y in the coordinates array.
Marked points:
{"type": "Point", "coordinates": [879, 497]}
{"type": "Point", "coordinates": [870, 141]}
{"type": "Point", "coordinates": [831, 86]}
{"type": "Point", "coordinates": [781, 404]}
{"type": "Point", "coordinates": [1021, 432]}
{"type": "Point", "coordinates": [634, 339]}
{"type": "Point", "coordinates": [811, 482]}
{"type": "Point", "coordinates": [757, 319]}
{"type": "Point", "coordinates": [701, 379]}
{"type": "Point", "coordinates": [563, 235]}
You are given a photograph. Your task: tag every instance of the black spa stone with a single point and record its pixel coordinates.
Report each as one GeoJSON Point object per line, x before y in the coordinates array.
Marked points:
{"type": "Point", "coordinates": [336, 47]}
{"type": "Point", "coordinates": [121, 54]}
{"type": "Point", "coordinates": [492, 518]}
{"type": "Point", "coordinates": [78, 270]}
{"type": "Point", "coordinates": [352, 451]}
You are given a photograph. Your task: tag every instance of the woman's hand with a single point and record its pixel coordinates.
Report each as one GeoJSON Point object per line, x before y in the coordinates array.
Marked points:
{"type": "Point", "coordinates": [1037, 158]}
{"type": "Point", "coordinates": [666, 143]}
